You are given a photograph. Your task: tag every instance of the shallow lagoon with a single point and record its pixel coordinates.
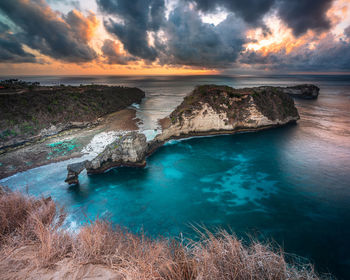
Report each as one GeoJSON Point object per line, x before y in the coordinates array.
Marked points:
{"type": "Point", "coordinates": [290, 184]}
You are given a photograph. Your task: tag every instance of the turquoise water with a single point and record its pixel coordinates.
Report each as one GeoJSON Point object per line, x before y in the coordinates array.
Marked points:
{"type": "Point", "coordinates": [290, 184]}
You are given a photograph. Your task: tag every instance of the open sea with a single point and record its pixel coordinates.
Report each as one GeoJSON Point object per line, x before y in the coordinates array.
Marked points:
{"type": "Point", "coordinates": [290, 185]}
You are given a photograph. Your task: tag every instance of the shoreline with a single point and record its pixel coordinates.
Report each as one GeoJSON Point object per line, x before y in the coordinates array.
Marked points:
{"type": "Point", "coordinates": [213, 133]}
{"type": "Point", "coordinates": [248, 110]}
{"type": "Point", "coordinates": [73, 142]}
{"type": "Point", "coordinates": [158, 145]}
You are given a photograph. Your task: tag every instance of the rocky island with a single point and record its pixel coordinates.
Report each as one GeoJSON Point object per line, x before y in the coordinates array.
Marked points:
{"type": "Point", "coordinates": [208, 110]}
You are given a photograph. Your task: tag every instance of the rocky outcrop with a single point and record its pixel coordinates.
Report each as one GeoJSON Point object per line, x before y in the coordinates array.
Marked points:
{"type": "Point", "coordinates": [128, 150]}
{"type": "Point", "coordinates": [209, 109]}
{"type": "Point", "coordinates": [74, 170]}
{"type": "Point", "coordinates": [216, 109]}
{"type": "Point", "coordinates": [303, 91]}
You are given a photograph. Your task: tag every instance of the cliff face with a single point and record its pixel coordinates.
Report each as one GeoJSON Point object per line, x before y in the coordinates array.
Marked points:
{"type": "Point", "coordinates": [220, 109]}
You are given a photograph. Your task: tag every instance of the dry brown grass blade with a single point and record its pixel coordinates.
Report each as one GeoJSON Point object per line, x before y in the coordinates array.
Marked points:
{"type": "Point", "coordinates": [31, 238]}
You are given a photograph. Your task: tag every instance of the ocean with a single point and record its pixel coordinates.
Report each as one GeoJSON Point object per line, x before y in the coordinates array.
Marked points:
{"type": "Point", "coordinates": [289, 185]}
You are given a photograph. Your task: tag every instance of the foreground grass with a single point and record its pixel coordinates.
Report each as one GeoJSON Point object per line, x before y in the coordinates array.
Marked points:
{"type": "Point", "coordinates": [31, 239]}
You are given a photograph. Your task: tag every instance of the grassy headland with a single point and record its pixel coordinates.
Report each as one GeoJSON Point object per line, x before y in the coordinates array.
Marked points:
{"type": "Point", "coordinates": [28, 108]}
{"type": "Point", "coordinates": [266, 99]}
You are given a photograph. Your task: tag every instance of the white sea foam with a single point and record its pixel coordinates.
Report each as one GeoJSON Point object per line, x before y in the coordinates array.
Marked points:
{"type": "Point", "coordinates": [100, 141]}
{"type": "Point", "coordinates": [135, 105]}
{"type": "Point", "coordinates": [150, 133]}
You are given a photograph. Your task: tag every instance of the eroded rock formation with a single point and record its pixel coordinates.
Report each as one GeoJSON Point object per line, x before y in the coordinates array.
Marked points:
{"type": "Point", "coordinates": [127, 150]}
{"type": "Point", "coordinates": [208, 110]}
{"type": "Point", "coordinates": [74, 170]}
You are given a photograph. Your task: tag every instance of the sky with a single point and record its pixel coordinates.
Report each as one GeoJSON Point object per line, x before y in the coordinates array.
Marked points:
{"type": "Point", "coordinates": [173, 37]}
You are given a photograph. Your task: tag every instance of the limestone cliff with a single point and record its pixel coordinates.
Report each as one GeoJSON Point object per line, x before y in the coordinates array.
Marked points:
{"type": "Point", "coordinates": [213, 109]}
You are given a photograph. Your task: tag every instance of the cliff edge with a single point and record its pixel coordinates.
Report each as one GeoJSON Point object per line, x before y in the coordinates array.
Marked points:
{"type": "Point", "coordinates": [214, 109]}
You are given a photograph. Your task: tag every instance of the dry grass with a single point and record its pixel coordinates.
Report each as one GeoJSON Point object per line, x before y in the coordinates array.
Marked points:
{"type": "Point", "coordinates": [31, 228]}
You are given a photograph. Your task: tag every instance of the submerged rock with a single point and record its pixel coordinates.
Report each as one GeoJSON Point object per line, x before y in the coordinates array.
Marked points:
{"type": "Point", "coordinates": [303, 91]}
{"type": "Point", "coordinates": [74, 170]}
{"type": "Point", "coordinates": [128, 150]}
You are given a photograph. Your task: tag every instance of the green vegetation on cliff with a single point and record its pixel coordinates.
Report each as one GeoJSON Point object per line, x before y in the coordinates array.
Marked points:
{"type": "Point", "coordinates": [271, 101]}
{"type": "Point", "coordinates": [26, 109]}
{"type": "Point", "coordinates": [268, 98]}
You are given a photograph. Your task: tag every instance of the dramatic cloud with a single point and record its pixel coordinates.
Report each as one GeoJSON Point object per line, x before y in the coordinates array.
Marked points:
{"type": "Point", "coordinates": [190, 41]}
{"type": "Point", "coordinates": [303, 15]}
{"type": "Point", "coordinates": [251, 11]}
{"type": "Point", "coordinates": [42, 29]}
{"type": "Point", "coordinates": [138, 18]}
{"type": "Point", "coordinates": [82, 27]}
{"type": "Point", "coordinates": [184, 39]}
{"type": "Point", "coordinates": [300, 15]}
{"type": "Point", "coordinates": [330, 54]}
{"type": "Point", "coordinates": [111, 51]}
{"type": "Point", "coordinates": [202, 35]}
{"type": "Point", "coordinates": [11, 49]}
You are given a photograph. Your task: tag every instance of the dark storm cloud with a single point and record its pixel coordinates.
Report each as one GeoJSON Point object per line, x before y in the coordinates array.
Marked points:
{"type": "Point", "coordinates": [11, 49]}
{"type": "Point", "coordinates": [113, 56]}
{"type": "Point", "coordinates": [43, 30]}
{"type": "Point", "coordinates": [300, 15]}
{"type": "Point", "coordinates": [192, 42]}
{"type": "Point", "coordinates": [181, 38]}
{"type": "Point", "coordinates": [303, 15]}
{"type": "Point", "coordinates": [188, 40]}
{"type": "Point", "coordinates": [138, 16]}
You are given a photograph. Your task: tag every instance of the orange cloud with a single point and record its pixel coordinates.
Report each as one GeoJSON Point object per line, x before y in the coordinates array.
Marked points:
{"type": "Point", "coordinates": [281, 38]}
{"type": "Point", "coordinates": [84, 26]}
